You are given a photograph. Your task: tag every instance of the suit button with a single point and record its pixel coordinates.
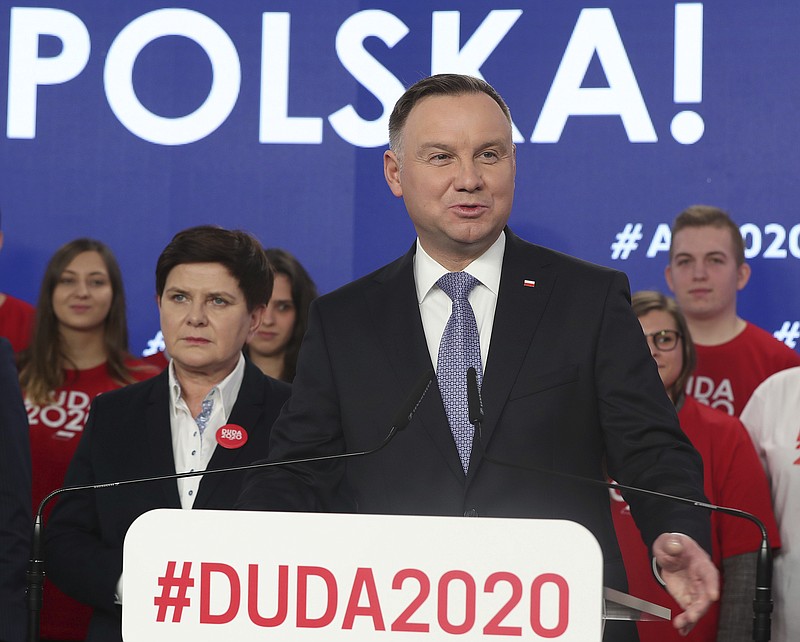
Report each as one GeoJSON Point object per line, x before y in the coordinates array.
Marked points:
{"type": "Point", "coordinates": [471, 512]}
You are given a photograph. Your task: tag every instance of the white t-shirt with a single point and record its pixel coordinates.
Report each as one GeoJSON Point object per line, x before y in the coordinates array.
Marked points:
{"type": "Point", "coordinates": [772, 417]}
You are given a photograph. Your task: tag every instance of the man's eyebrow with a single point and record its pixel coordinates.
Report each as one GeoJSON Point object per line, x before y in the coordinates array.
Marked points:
{"type": "Point", "coordinates": [435, 145]}
{"type": "Point", "coordinates": [495, 142]}
{"type": "Point", "coordinates": [711, 253]}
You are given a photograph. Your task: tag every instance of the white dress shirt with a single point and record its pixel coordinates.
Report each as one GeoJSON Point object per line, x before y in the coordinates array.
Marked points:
{"type": "Point", "coordinates": [191, 450]}
{"type": "Point", "coordinates": [435, 306]}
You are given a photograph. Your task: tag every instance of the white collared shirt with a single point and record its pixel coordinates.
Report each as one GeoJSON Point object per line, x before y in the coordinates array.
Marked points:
{"type": "Point", "coordinates": [190, 450]}
{"type": "Point", "coordinates": [435, 306]}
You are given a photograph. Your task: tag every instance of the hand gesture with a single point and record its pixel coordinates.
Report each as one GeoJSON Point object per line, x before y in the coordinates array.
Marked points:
{"type": "Point", "coordinates": [689, 575]}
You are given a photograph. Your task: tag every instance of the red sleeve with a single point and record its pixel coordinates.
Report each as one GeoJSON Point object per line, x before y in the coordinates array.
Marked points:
{"type": "Point", "coordinates": [741, 483]}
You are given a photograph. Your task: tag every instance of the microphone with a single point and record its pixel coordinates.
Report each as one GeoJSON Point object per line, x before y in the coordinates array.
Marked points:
{"type": "Point", "coordinates": [474, 402]}
{"type": "Point", "coordinates": [762, 603]}
{"type": "Point", "coordinates": [409, 407]}
{"type": "Point", "coordinates": [36, 563]}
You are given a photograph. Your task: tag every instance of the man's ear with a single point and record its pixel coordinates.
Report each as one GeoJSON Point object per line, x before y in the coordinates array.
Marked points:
{"type": "Point", "coordinates": [668, 277]}
{"type": "Point", "coordinates": [742, 276]}
{"type": "Point", "coordinates": [391, 171]}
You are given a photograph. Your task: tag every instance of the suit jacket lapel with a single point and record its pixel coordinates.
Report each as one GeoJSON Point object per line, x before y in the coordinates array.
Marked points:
{"type": "Point", "coordinates": [159, 438]}
{"type": "Point", "coordinates": [393, 302]}
{"type": "Point", "coordinates": [520, 306]}
{"type": "Point", "coordinates": [246, 412]}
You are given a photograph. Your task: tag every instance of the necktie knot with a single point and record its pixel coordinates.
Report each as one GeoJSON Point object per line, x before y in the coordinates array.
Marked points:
{"type": "Point", "coordinates": [457, 285]}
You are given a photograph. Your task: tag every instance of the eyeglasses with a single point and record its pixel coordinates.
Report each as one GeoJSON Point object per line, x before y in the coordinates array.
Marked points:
{"type": "Point", "coordinates": [664, 340]}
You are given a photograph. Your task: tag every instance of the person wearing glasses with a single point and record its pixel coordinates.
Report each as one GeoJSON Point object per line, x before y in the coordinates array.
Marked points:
{"type": "Point", "coordinates": [733, 477]}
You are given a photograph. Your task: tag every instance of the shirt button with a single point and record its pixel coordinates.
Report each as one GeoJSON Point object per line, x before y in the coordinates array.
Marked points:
{"type": "Point", "coordinates": [471, 512]}
{"type": "Point", "coordinates": [195, 434]}
{"type": "Point", "coordinates": [194, 452]}
{"type": "Point", "coordinates": [191, 492]}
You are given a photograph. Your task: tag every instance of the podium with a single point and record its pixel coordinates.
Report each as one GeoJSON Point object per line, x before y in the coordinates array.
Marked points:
{"type": "Point", "coordinates": [220, 575]}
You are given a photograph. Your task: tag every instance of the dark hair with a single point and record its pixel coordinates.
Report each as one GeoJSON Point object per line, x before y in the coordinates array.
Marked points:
{"type": "Point", "coordinates": [239, 252]}
{"type": "Point", "coordinates": [648, 301]}
{"type": "Point", "coordinates": [438, 85]}
{"type": "Point", "coordinates": [709, 216]}
{"type": "Point", "coordinates": [304, 291]}
{"type": "Point", "coordinates": [42, 364]}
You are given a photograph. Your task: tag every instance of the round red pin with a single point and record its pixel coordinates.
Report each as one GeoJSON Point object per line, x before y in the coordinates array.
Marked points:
{"type": "Point", "coordinates": [231, 436]}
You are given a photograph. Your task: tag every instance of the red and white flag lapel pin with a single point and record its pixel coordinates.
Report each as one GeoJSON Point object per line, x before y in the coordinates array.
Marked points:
{"type": "Point", "coordinates": [529, 283]}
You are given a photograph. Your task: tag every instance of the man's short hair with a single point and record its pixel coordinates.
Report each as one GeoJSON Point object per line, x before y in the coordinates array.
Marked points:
{"type": "Point", "coordinates": [709, 216]}
{"type": "Point", "coordinates": [438, 85]}
{"type": "Point", "coordinates": [240, 253]}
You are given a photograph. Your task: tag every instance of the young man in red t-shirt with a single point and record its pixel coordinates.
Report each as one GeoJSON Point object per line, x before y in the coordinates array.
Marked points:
{"type": "Point", "coordinates": [706, 270]}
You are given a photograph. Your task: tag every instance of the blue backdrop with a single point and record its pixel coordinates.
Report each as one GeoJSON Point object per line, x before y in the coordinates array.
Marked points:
{"type": "Point", "coordinates": [128, 121]}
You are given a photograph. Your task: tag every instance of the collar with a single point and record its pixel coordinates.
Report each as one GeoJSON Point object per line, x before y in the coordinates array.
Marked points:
{"type": "Point", "coordinates": [487, 268]}
{"type": "Point", "coordinates": [225, 391]}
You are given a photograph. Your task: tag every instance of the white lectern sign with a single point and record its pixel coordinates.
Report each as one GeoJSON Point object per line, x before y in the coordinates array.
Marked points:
{"type": "Point", "coordinates": [233, 575]}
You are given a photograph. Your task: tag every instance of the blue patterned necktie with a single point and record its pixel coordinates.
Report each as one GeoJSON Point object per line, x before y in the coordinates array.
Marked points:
{"type": "Point", "coordinates": [459, 349]}
{"type": "Point", "coordinates": [202, 419]}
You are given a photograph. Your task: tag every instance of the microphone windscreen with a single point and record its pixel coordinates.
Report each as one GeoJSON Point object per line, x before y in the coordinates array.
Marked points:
{"type": "Point", "coordinates": [474, 397]}
{"type": "Point", "coordinates": [407, 410]}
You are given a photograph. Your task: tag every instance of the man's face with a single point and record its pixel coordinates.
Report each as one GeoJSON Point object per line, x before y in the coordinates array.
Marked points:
{"type": "Point", "coordinates": [456, 174]}
{"type": "Point", "coordinates": [204, 319]}
{"type": "Point", "coordinates": [703, 273]}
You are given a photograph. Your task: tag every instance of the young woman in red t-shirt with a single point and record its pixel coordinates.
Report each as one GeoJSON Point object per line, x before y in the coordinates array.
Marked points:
{"type": "Point", "coordinates": [79, 349]}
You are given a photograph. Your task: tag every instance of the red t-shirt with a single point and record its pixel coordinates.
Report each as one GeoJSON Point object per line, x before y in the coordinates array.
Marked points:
{"type": "Point", "coordinates": [16, 322]}
{"type": "Point", "coordinates": [733, 477]}
{"type": "Point", "coordinates": [726, 375]}
{"type": "Point", "coordinates": [55, 430]}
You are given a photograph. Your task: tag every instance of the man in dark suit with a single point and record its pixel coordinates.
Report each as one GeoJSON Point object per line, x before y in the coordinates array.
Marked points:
{"type": "Point", "coordinates": [567, 385]}
{"type": "Point", "coordinates": [212, 286]}
{"type": "Point", "coordinates": [15, 500]}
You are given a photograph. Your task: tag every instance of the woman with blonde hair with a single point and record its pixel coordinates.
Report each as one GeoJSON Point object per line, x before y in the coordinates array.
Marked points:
{"type": "Point", "coordinates": [732, 477]}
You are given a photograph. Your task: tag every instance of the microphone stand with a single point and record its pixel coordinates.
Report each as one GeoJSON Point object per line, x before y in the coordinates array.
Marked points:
{"type": "Point", "coordinates": [762, 602]}
{"type": "Point", "coordinates": [36, 571]}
